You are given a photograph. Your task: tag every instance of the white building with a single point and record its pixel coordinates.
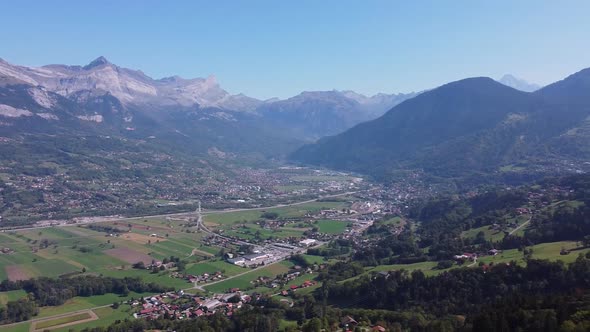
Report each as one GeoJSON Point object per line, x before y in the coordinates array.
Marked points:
{"type": "Point", "coordinates": [308, 242]}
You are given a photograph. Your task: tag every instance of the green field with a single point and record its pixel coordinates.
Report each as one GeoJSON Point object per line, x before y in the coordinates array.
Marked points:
{"type": "Point", "coordinates": [489, 233]}
{"type": "Point", "coordinates": [55, 251]}
{"type": "Point", "coordinates": [214, 266]}
{"type": "Point", "coordinates": [62, 320]}
{"type": "Point", "coordinates": [284, 212]}
{"type": "Point", "coordinates": [243, 282]}
{"type": "Point", "coordinates": [497, 235]}
{"type": "Point", "coordinates": [321, 178]}
{"type": "Point", "coordinates": [331, 226]}
{"type": "Point", "coordinates": [11, 296]}
{"type": "Point", "coordinates": [106, 315]}
{"type": "Point", "coordinates": [311, 259]}
{"type": "Point", "coordinates": [79, 303]}
{"type": "Point", "coordinates": [290, 188]}
{"type": "Point", "coordinates": [392, 221]}
{"type": "Point", "coordinates": [550, 251]}
{"type": "Point", "coordinates": [22, 327]}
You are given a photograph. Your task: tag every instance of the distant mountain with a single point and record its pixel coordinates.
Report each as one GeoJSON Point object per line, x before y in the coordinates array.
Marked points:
{"type": "Point", "coordinates": [314, 114]}
{"type": "Point", "coordinates": [307, 116]}
{"type": "Point", "coordinates": [129, 86]}
{"type": "Point", "coordinates": [33, 110]}
{"type": "Point", "coordinates": [471, 126]}
{"type": "Point", "coordinates": [519, 83]}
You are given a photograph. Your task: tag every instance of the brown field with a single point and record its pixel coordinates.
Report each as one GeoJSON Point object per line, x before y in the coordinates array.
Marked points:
{"type": "Point", "coordinates": [129, 255]}
{"type": "Point", "coordinates": [140, 238]}
{"type": "Point", "coordinates": [15, 272]}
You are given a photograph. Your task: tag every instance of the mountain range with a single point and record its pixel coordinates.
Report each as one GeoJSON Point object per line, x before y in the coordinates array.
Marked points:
{"type": "Point", "coordinates": [470, 127]}
{"type": "Point", "coordinates": [307, 116]}
{"type": "Point", "coordinates": [473, 126]}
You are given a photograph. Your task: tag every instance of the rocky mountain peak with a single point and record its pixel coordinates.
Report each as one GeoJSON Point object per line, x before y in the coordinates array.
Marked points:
{"type": "Point", "coordinates": [101, 60]}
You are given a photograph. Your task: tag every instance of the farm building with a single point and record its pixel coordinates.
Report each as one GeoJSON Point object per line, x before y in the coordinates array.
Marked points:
{"type": "Point", "coordinates": [307, 242]}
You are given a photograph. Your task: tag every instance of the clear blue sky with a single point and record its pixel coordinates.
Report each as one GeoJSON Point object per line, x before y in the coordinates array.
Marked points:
{"type": "Point", "coordinates": [280, 48]}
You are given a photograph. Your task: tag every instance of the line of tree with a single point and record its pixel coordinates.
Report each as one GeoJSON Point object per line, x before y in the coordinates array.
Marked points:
{"type": "Point", "coordinates": [54, 292]}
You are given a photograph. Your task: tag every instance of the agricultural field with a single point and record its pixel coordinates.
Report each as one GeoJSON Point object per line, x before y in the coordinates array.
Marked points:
{"type": "Point", "coordinates": [11, 296]}
{"type": "Point", "coordinates": [300, 210]}
{"type": "Point", "coordinates": [71, 250]}
{"type": "Point", "coordinates": [49, 323]}
{"type": "Point", "coordinates": [106, 316]}
{"type": "Point", "coordinates": [79, 303]}
{"type": "Point", "coordinates": [496, 235]}
{"type": "Point", "coordinates": [550, 251]}
{"type": "Point", "coordinates": [214, 266]}
{"type": "Point", "coordinates": [110, 248]}
{"type": "Point", "coordinates": [243, 282]}
{"type": "Point", "coordinates": [21, 327]}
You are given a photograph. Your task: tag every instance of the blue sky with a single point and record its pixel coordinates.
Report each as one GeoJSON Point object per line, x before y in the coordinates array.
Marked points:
{"type": "Point", "coordinates": [280, 48]}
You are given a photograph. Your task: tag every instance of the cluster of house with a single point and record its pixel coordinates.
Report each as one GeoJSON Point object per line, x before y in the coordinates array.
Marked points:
{"type": "Point", "coordinates": [468, 256]}
{"type": "Point", "coordinates": [184, 306]}
{"type": "Point", "coordinates": [292, 288]}
{"type": "Point", "coordinates": [283, 279]}
{"type": "Point", "coordinates": [162, 266]}
{"type": "Point", "coordinates": [522, 210]}
{"type": "Point", "coordinates": [349, 324]}
{"type": "Point", "coordinates": [205, 277]}
{"type": "Point", "coordinates": [6, 250]}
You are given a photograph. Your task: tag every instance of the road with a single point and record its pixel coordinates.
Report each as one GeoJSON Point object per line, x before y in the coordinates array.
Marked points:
{"type": "Point", "coordinates": [108, 219]}
{"type": "Point", "coordinates": [521, 226]}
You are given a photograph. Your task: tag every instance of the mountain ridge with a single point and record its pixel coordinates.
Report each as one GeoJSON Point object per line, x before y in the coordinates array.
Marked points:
{"type": "Point", "coordinates": [467, 126]}
{"type": "Point", "coordinates": [307, 116]}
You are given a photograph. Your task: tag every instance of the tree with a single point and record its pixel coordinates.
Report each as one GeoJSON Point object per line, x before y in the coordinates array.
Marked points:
{"type": "Point", "coordinates": [139, 265]}
{"type": "Point", "coordinates": [270, 215]}
{"type": "Point", "coordinates": [313, 325]}
{"type": "Point", "coordinates": [180, 266]}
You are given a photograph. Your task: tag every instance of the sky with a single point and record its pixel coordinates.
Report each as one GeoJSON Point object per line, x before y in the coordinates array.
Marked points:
{"type": "Point", "coordinates": [279, 48]}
